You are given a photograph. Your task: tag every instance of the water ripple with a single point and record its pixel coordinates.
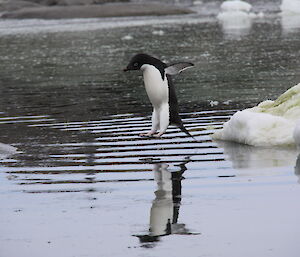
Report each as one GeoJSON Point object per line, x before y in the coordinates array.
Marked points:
{"type": "Point", "coordinates": [109, 146]}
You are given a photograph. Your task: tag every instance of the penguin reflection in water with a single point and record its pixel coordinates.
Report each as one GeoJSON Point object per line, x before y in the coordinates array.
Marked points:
{"type": "Point", "coordinates": [165, 207]}
{"type": "Point", "coordinates": [161, 91]}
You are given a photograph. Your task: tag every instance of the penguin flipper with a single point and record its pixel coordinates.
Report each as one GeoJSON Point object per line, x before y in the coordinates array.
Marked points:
{"type": "Point", "coordinates": [176, 68]}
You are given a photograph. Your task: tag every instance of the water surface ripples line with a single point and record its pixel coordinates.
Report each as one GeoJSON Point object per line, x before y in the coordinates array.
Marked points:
{"type": "Point", "coordinates": [111, 146]}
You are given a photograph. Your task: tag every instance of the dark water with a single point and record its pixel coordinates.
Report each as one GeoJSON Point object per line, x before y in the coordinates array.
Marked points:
{"type": "Point", "coordinates": [74, 117]}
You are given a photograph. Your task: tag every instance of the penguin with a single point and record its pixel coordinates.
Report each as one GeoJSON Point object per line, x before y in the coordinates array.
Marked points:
{"type": "Point", "coordinates": [160, 91]}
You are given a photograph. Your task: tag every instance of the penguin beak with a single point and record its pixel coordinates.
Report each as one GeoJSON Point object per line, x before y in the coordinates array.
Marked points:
{"type": "Point", "coordinates": [126, 69]}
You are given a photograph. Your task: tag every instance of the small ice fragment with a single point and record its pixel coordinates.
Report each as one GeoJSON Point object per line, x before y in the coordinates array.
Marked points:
{"type": "Point", "coordinates": [197, 2]}
{"type": "Point", "coordinates": [158, 32]}
{"type": "Point", "coordinates": [261, 15]}
{"type": "Point", "coordinates": [213, 103]}
{"type": "Point", "coordinates": [227, 102]}
{"type": "Point", "coordinates": [6, 150]}
{"type": "Point", "coordinates": [127, 37]}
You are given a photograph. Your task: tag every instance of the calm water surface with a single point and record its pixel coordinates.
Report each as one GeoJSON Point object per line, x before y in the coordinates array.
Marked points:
{"type": "Point", "coordinates": [83, 178]}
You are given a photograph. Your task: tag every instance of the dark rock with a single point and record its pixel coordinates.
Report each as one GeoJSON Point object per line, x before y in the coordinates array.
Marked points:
{"type": "Point", "coordinates": [94, 11]}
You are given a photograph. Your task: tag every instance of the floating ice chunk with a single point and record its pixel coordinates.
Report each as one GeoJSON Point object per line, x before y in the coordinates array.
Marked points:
{"type": "Point", "coordinates": [235, 5]}
{"type": "Point", "coordinates": [290, 6]}
{"type": "Point", "coordinates": [258, 129]}
{"type": "Point", "coordinates": [158, 32]}
{"type": "Point", "coordinates": [235, 17]}
{"type": "Point", "coordinates": [227, 102]}
{"type": "Point", "coordinates": [290, 14]}
{"type": "Point", "coordinates": [213, 103]}
{"type": "Point", "coordinates": [235, 20]}
{"type": "Point", "coordinates": [198, 2]}
{"type": "Point", "coordinates": [260, 15]}
{"type": "Point", "coordinates": [127, 37]}
{"type": "Point", "coordinates": [271, 123]}
{"type": "Point", "coordinates": [6, 150]}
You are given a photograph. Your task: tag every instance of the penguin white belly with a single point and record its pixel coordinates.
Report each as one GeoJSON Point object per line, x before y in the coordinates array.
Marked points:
{"type": "Point", "coordinates": [156, 88]}
{"type": "Point", "coordinates": [158, 92]}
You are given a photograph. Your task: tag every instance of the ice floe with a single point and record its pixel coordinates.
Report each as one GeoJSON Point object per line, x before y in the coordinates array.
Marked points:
{"type": "Point", "coordinates": [127, 37]}
{"type": "Point", "coordinates": [290, 15]}
{"type": "Point", "coordinates": [158, 32]}
{"type": "Point", "coordinates": [271, 123]}
{"type": "Point", "coordinates": [6, 150]}
{"type": "Point", "coordinates": [236, 17]}
{"type": "Point", "coordinates": [290, 6]}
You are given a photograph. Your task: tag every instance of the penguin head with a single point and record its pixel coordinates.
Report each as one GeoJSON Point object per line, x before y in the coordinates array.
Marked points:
{"type": "Point", "coordinates": [139, 60]}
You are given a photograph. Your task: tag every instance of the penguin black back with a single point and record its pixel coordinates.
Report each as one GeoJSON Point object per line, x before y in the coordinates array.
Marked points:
{"type": "Point", "coordinates": [174, 109]}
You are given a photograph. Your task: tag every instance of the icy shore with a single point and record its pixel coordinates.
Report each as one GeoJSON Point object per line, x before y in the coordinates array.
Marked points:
{"type": "Point", "coordinates": [271, 123]}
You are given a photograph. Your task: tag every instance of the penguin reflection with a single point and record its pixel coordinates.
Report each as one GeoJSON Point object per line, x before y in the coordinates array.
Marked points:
{"type": "Point", "coordinates": [165, 207]}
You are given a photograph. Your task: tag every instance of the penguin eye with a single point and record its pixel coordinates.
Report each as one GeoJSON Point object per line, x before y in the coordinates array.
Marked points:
{"type": "Point", "coordinates": [135, 64]}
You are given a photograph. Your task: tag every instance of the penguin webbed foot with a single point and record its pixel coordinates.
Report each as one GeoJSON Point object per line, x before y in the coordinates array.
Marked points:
{"type": "Point", "coordinates": [158, 135]}
{"type": "Point", "coordinates": [149, 134]}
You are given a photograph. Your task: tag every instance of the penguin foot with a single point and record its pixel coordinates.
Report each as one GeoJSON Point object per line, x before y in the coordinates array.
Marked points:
{"type": "Point", "coordinates": [158, 135]}
{"type": "Point", "coordinates": [149, 134]}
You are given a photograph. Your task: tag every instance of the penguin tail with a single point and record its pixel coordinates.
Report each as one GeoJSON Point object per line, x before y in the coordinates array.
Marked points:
{"type": "Point", "coordinates": [184, 130]}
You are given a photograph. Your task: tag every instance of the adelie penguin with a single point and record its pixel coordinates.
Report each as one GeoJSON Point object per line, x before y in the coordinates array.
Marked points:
{"type": "Point", "coordinates": [161, 91]}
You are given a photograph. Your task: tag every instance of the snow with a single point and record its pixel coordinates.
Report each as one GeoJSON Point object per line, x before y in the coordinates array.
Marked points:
{"type": "Point", "coordinates": [271, 123]}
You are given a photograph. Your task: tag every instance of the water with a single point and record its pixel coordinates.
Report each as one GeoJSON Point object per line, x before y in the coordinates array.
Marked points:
{"type": "Point", "coordinates": [84, 183]}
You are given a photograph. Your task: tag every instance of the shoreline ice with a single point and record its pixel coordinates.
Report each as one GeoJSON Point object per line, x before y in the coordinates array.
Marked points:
{"type": "Point", "coordinates": [271, 123]}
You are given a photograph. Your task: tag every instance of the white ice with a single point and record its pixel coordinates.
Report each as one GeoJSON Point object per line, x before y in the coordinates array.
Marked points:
{"type": "Point", "coordinates": [6, 150]}
{"type": "Point", "coordinates": [127, 37]}
{"type": "Point", "coordinates": [290, 6]}
{"type": "Point", "coordinates": [271, 123]}
{"type": "Point", "coordinates": [235, 5]}
{"type": "Point", "coordinates": [290, 14]}
{"type": "Point", "coordinates": [236, 16]}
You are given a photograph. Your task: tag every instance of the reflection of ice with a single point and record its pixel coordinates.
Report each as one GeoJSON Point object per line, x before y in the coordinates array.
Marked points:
{"type": "Point", "coordinates": [290, 15]}
{"type": "Point", "coordinates": [235, 17]}
{"type": "Point", "coordinates": [165, 207]}
{"type": "Point", "coordinates": [290, 22]}
{"type": "Point", "coordinates": [246, 156]}
{"type": "Point", "coordinates": [6, 150]}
